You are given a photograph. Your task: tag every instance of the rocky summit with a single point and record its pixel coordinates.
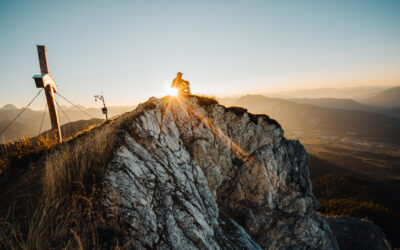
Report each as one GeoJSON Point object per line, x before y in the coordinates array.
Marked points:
{"type": "Point", "coordinates": [176, 173]}
{"type": "Point", "coordinates": [192, 174]}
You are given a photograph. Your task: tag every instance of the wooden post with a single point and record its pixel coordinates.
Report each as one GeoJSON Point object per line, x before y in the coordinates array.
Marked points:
{"type": "Point", "coordinates": [42, 53]}
{"type": "Point", "coordinates": [46, 81]}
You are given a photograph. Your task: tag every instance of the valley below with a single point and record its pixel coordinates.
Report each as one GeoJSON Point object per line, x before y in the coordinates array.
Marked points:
{"type": "Point", "coordinates": [355, 177]}
{"type": "Point", "coordinates": [354, 154]}
{"type": "Point", "coordinates": [361, 157]}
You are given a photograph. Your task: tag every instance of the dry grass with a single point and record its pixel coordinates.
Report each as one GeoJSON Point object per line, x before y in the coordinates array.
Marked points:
{"type": "Point", "coordinates": [204, 100]}
{"type": "Point", "coordinates": [65, 209]}
{"type": "Point", "coordinates": [24, 149]}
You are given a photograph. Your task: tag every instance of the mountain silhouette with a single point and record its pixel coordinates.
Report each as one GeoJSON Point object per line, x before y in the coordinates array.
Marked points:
{"type": "Point", "coordinates": [310, 118]}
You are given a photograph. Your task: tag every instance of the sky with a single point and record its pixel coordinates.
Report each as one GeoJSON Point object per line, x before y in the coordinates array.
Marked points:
{"type": "Point", "coordinates": [131, 50]}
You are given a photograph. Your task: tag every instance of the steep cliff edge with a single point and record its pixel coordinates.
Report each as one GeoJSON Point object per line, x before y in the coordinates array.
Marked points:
{"type": "Point", "coordinates": [191, 173]}
{"type": "Point", "coordinates": [175, 173]}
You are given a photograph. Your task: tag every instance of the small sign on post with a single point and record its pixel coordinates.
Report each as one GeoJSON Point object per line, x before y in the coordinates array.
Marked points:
{"type": "Point", "coordinates": [46, 81]}
{"type": "Point", "coordinates": [104, 109]}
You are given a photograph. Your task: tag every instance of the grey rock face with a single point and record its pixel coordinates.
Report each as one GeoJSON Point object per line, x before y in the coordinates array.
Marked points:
{"type": "Point", "coordinates": [353, 233]}
{"type": "Point", "coordinates": [190, 176]}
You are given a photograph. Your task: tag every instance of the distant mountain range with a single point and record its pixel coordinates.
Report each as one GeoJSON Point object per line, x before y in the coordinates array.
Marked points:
{"type": "Point", "coordinates": [389, 97]}
{"type": "Point", "coordinates": [384, 100]}
{"type": "Point", "coordinates": [373, 112]}
{"type": "Point", "coordinates": [310, 118]}
{"type": "Point", "coordinates": [355, 93]}
{"type": "Point", "coordinates": [348, 104]}
{"type": "Point", "coordinates": [373, 96]}
{"type": "Point", "coordinates": [334, 103]}
{"type": "Point", "coordinates": [28, 124]}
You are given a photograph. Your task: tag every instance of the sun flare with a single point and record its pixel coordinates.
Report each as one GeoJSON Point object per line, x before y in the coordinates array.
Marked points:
{"type": "Point", "coordinates": [172, 92]}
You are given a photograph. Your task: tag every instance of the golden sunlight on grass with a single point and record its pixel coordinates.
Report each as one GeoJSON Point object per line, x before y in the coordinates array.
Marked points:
{"type": "Point", "coordinates": [65, 201]}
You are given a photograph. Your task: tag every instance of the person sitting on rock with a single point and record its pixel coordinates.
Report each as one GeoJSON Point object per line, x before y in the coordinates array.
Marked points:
{"type": "Point", "coordinates": [180, 84]}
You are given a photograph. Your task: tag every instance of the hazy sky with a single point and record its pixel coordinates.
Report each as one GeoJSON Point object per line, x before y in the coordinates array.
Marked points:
{"type": "Point", "coordinates": [131, 50]}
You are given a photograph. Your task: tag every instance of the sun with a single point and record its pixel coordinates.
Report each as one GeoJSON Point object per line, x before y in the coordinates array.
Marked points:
{"type": "Point", "coordinates": [172, 92]}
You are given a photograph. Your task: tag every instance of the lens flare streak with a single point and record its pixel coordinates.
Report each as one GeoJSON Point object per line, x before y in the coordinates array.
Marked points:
{"type": "Point", "coordinates": [267, 177]}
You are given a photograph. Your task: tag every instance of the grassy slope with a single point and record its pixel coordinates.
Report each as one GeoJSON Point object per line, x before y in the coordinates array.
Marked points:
{"type": "Point", "coordinates": [51, 193]}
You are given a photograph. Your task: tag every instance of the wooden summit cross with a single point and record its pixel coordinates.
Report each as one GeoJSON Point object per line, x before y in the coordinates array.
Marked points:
{"type": "Point", "coordinates": [46, 81]}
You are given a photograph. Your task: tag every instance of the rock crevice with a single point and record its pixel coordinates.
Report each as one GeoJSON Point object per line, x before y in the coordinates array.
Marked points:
{"type": "Point", "coordinates": [199, 176]}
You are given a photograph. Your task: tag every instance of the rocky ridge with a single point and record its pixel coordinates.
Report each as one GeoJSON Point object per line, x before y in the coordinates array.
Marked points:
{"type": "Point", "coordinates": [191, 173]}
{"type": "Point", "coordinates": [353, 233]}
